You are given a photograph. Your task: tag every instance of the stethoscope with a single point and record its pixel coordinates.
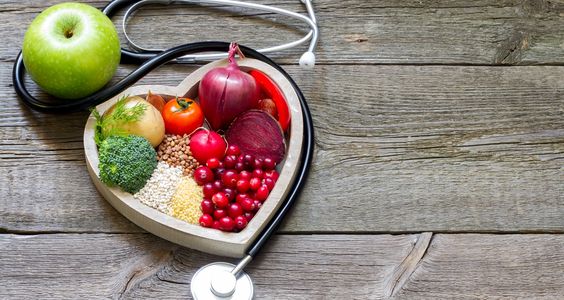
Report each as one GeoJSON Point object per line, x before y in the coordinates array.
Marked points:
{"type": "Point", "coordinates": [218, 280]}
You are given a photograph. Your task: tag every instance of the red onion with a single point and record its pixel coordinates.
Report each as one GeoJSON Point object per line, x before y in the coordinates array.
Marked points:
{"type": "Point", "coordinates": [227, 92]}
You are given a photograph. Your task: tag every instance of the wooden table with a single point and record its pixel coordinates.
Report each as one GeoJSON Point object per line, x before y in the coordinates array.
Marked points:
{"type": "Point", "coordinates": [438, 173]}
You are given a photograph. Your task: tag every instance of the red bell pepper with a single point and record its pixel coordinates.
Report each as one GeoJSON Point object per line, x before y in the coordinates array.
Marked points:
{"type": "Point", "coordinates": [270, 89]}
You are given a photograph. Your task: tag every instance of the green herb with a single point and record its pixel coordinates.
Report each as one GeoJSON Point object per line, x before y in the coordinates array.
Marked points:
{"type": "Point", "coordinates": [111, 124]}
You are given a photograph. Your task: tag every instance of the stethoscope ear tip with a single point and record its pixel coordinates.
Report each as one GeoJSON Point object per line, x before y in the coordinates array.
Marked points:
{"type": "Point", "coordinates": [307, 61]}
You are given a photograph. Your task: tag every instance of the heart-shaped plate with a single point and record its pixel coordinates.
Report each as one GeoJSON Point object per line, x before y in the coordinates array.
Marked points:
{"type": "Point", "coordinates": [186, 234]}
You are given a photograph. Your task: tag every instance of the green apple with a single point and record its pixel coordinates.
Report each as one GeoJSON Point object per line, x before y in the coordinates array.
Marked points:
{"type": "Point", "coordinates": [71, 50]}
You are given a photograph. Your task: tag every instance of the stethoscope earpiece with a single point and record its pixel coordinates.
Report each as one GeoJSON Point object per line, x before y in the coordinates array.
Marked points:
{"type": "Point", "coordinates": [307, 60]}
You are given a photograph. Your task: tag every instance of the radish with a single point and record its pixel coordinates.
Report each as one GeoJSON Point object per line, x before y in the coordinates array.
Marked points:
{"type": "Point", "coordinates": [206, 144]}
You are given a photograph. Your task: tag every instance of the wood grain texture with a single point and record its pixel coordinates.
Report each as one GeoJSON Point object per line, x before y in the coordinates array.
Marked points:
{"type": "Point", "coordinates": [398, 149]}
{"type": "Point", "coordinates": [472, 266]}
{"type": "Point", "coordinates": [364, 32]}
{"type": "Point", "coordinates": [141, 266]}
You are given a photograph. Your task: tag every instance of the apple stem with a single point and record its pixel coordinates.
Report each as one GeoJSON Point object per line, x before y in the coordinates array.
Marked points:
{"type": "Point", "coordinates": [68, 33]}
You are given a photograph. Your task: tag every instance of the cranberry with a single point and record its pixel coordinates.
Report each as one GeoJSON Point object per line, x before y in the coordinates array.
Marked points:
{"type": "Point", "coordinates": [230, 193]}
{"type": "Point", "coordinates": [249, 216]}
{"type": "Point", "coordinates": [215, 225]}
{"type": "Point", "coordinates": [271, 174]}
{"type": "Point", "coordinates": [226, 224]}
{"type": "Point", "coordinates": [207, 206]}
{"type": "Point", "coordinates": [254, 183]}
{"type": "Point", "coordinates": [257, 204]}
{"type": "Point", "coordinates": [269, 183]}
{"type": "Point", "coordinates": [206, 220]}
{"type": "Point", "coordinates": [239, 166]}
{"type": "Point", "coordinates": [218, 172]}
{"type": "Point", "coordinates": [233, 150]}
{"type": "Point", "coordinates": [248, 161]}
{"type": "Point", "coordinates": [234, 210]}
{"type": "Point", "coordinates": [213, 163]}
{"type": "Point", "coordinates": [240, 197]}
{"type": "Point", "coordinates": [243, 185]}
{"type": "Point", "coordinates": [218, 185]}
{"type": "Point", "coordinates": [203, 175]}
{"type": "Point", "coordinates": [262, 193]}
{"type": "Point", "coordinates": [246, 175]}
{"type": "Point", "coordinates": [241, 158]}
{"type": "Point", "coordinates": [229, 161]}
{"type": "Point", "coordinates": [257, 163]}
{"type": "Point", "coordinates": [247, 204]}
{"type": "Point", "coordinates": [229, 178]}
{"type": "Point", "coordinates": [269, 164]}
{"type": "Point", "coordinates": [258, 173]}
{"type": "Point", "coordinates": [209, 190]}
{"type": "Point", "coordinates": [219, 213]}
{"type": "Point", "coordinates": [241, 222]}
{"type": "Point", "coordinates": [220, 200]}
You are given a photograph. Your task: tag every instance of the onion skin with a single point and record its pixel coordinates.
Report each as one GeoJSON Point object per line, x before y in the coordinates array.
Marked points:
{"type": "Point", "coordinates": [226, 92]}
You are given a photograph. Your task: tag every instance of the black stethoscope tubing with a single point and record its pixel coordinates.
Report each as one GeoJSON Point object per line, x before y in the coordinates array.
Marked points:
{"type": "Point", "coordinates": [151, 60]}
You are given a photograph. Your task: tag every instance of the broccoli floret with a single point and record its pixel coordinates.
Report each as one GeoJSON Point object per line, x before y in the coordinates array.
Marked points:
{"type": "Point", "coordinates": [126, 161]}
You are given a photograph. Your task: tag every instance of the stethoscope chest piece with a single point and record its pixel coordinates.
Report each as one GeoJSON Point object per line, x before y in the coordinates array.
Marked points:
{"type": "Point", "coordinates": [216, 281]}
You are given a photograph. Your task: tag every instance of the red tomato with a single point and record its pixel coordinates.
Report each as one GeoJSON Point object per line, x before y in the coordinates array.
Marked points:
{"type": "Point", "coordinates": [182, 116]}
{"type": "Point", "coordinates": [272, 91]}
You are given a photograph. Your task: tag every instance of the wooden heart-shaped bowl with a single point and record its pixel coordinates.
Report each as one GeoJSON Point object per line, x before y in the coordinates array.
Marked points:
{"type": "Point", "coordinates": [186, 234]}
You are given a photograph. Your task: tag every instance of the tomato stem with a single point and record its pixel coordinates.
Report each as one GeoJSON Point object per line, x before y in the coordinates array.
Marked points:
{"type": "Point", "coordinates": [183, 103]}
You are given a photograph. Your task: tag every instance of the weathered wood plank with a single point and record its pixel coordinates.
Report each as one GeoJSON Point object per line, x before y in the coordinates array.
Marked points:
{"type": "Point", "coordinates": [472, 266]}
{"type": "Point", "coordinates": [141, 266]}
{"type": "Point", "coordinates": [384, 31]}
{"type": "Point", "coordinates": [481, 151]}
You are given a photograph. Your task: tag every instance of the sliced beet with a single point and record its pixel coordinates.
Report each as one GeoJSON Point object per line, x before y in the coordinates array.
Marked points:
{"type": "Point", "coordinates": [257, 133]}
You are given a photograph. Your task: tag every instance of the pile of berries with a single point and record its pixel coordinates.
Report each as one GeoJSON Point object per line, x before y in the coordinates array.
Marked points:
{"type": "Point", "coordinates": [234, 189]}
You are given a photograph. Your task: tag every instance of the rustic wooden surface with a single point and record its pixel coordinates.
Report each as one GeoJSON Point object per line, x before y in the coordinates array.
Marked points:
{"type": "Point", "coordinates": [441, 122]}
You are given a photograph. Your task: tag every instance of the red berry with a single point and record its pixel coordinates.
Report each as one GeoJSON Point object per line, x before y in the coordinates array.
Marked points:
{"type": "Point", "coordinates": [248, 161]}
{"type": "Point", "coordinates": [213, 163]}
{"type": "Point", "coordinates": [206, 220]}
{"type": "Point", "coordinates": [203, 175]}
{"type": "Point", "coordinates": [246, 175]}
{"type": "Point", "coordinates": [209, 190]}
{"type": "Point", "coordinates": [257, 163]}
{"type": "Point", "coordinates": [254, 183]}
{"type": "Point", "coordinates": [234, 210]}
{"type": "Point", "coordinates": [229, 178]}
{"type": "Point", "coordinates": [207, 206]}
{"type": "Point", "coordinates": [226, 224]}
{"type": "Point", "coordinates": [219, 213]}
{"type": "Point", "coordinates": [230, 193]}
{"type": "Point", "coordinates": [257, 204]}
{"type": "Point", "coordinates": [241, 222]}
{"type": "Point", "coordinates": [218, 172]}
{"type": "Point", "coordinates": [271, 174]}
{"type": "Point", "coordinates": [247, 204]}
{"type": "Point", "coordinates": [233, 150]}
{"type": "Point", "coordinates": [262, 193]}
{"type": "Point", "coordinates": [218, 185]}
{"type": "Point", "coordinates": [243, 185]}
{"type": "Point", "coordinates": [220, 200]}
{"type": "Point", "coordinates": [229, 161]}
{"type": "Point", "coordinates": [239, 166]}
{"type": "Point", "coordinates": [215, 225]}
{"type": "Point", "coordinates": [240, 197]}
{"type": "Point", "coordinates": [268, 164]}
{"type": "Point", "coordinates": [269, 183]}
{"type": "Point", "coordinates": [258, 173]}
{"type": "Point", "coordinates": [249, 216]}
{"type": "Point", "coordinates": [241, 158]}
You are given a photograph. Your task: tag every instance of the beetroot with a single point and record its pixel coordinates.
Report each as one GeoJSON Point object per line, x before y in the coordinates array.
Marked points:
{"type": "Point", "coordinates": [257, 133]}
